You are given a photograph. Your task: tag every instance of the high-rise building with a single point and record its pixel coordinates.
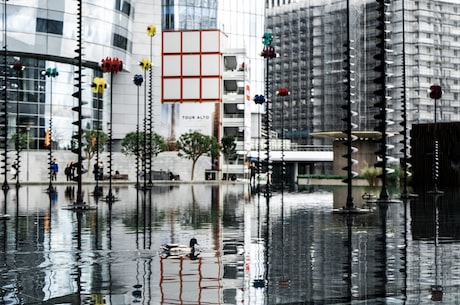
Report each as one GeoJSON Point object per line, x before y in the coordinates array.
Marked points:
{"type": "Point", "coordinates": [311, 36]}
{"type": "Point", "coordinates": [242, 24]}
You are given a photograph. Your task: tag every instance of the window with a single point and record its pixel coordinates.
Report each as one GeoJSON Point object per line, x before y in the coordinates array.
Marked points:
{"type": "Point", "coordinates": [124, 7]}
{"type": "Point", "coordinates": [230, 86]}
{"type": "Point", "coordinates": [233, 110]}
{"type": "Point", "coordinates": [49, 26]}
{"type": "Point", "coordinates": [230, 62]}
{"type": "Point", "coordinates": [233, 87]}
{"type": "Point", "coordinates": [236, 132]}
{"type": "Point", "coordinates": [120, 41]}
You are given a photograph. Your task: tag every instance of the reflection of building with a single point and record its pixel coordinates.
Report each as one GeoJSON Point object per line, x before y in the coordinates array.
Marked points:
{"type": "Point", "coordinates": [448, 158]}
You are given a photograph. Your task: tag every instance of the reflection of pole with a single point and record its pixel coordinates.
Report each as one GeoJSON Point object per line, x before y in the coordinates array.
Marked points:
{"type": "Point", "coordinates": [259, 282]}
{"type": "Point", "coordinates": [436, 289]}
{"type": "Point", "coordinates": [349, 264]}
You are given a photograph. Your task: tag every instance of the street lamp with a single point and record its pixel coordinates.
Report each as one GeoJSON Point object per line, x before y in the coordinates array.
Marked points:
{"type": "Point", "coordinates": [145, 65]}
{"type": "Point", "coordinates": [4, 132]}
{"type": "Point", "coordinates": [259, 100]}
{"type": "Point", "coordinates": [51, 73]}
{"type": "Point", "coordinates": [268, 53]}
{"type": "Point", "coordinates": [435, 93]}
{"type": "Point", "coordinates": [112, 66]}
{"type": "Point", "coordinates": [138, 80]}
{"type": "Point", "coordinates": [282, 92]}
{"type": "Point", "coordinates": [18, 67]}
{"type": "Point", "coordinates": [151, 31]}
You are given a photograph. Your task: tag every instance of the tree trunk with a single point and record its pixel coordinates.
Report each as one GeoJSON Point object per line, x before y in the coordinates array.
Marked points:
{"type": "Point", "coordinates": [193, 169]}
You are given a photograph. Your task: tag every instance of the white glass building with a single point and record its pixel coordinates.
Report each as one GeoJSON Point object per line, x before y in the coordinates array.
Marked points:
{"type": "Point", "coordinates": [42, 34]}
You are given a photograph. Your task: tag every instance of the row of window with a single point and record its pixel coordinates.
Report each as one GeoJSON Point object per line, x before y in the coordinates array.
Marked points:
{"type": "Point", "coordinates": [56, 27]}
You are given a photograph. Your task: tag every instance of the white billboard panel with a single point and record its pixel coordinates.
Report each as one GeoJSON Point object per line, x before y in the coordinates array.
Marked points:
{"type": "Point", "coordinates": [197, 117]}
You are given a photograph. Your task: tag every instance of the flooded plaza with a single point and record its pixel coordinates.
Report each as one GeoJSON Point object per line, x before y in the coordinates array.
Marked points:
{"type": "Point", "coordinates": [290, 248]}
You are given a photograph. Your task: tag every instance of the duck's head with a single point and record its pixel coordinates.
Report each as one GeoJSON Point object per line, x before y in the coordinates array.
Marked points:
{"type": "Point", "coordinates": [193, 242]}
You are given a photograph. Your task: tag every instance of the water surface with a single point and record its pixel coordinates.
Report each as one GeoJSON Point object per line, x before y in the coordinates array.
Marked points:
{"type": "Point", "coordinates": [287, 249]}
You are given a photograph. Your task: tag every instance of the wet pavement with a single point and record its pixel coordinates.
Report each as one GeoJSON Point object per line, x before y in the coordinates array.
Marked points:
{"type": "Point", "coordinates": [290, 248]}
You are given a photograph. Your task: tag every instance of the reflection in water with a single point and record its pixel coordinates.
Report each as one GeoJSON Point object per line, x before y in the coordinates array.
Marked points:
{"type": "Point", "coordinates": [286, 249]}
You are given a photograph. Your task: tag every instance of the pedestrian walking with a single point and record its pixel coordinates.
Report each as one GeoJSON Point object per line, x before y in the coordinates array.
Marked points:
{"type": "Point", "coordinates": [54, 169]}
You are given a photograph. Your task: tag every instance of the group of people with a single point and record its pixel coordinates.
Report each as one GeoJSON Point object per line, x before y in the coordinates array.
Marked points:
{"type": "Point", "coordinates": [54, 167]}
{"type": "Point", "coordinates": [70, 170]}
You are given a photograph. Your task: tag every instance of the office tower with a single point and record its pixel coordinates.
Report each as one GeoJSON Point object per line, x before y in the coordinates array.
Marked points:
{"type": "Point", "coordinates": [310, 37]}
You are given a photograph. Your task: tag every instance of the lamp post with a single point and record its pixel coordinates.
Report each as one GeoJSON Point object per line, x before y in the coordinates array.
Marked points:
{"type": "Point", "coordinates": [268, 53]}
{"type": "Point", "coordinates": [151, 31]}
{"type": "Point", "coordinates": [145, 65]}
{"type": "Point", "coordinates": [138, 80]}
{"type": "Point", "coordinates": [18, 67]}
{"type": "Point", "coordinates": [282, 92]}
{"type": "Point", "coordinates": [4, 132]}
{"type": "Point", "coordinates": [112, 66]}
{"type": "Point", "coordinates": [259, 100]}
{"type": "Point", "coordinates": [98, 86]}
{"type": "Point", "coordinates": [435, 93]}
{"type": "Point", "coordinates": [51, 73]}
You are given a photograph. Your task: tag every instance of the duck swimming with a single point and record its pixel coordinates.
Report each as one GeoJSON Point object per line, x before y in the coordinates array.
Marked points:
{"type": "Point", "coordinates": [178, 250]}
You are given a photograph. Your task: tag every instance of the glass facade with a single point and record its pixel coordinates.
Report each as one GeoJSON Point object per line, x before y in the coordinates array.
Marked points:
{"type": "Point", "coordinates": [189, 14]}
{"type": "Point", "coordinates": [242, 21]}
{"type": "Point", "coordinates": [42, 35]}
{"type": "Point", "coordinates": [31, 95]}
